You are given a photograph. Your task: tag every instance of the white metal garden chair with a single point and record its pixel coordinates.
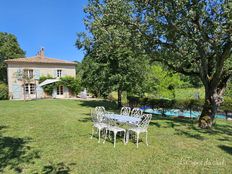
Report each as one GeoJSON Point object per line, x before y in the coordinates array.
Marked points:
{"type": "Point", "coordinates": [125, 111]}
{"type": "Point", "coordinates": [98, 121]}
{"type": "Point", "coordinates": [142, 127]}
{"type": "Point", "coordinates": [111, 127]}
{"type": "Point", "coordinates": [136, 112]}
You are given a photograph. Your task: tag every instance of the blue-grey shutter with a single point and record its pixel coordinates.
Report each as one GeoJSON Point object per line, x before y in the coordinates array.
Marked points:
{"type": "Point", "coordinates": [36, 74]}
{"type": "Point", "coordinates": [63, 73]}
{"type": "Point", "coordinates": [55, 73]}
{"type": "Point", "coordinates": [54, 92]}
{"type": "Point", "coordinates": [16, 91]}
{"type": "Point", "coordinates": [19, 74]}
{"type": "Point", "coordinates": [39, 91]}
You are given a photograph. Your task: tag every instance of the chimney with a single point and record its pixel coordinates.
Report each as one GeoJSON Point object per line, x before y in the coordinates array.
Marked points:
{"type": "Point", "coordinates": [41, 53]}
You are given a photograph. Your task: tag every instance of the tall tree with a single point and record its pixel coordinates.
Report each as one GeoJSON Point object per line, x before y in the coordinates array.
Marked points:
{"type": "Point", "coordinates": [193, 37]}
{"type": "Point", "coordinates": [9, 49]}
{"type": "Point", "coordinates": [113, 53]}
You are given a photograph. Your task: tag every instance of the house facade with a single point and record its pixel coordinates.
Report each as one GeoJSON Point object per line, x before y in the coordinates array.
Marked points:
{"type": "Point", "coordinates": [24, 74]}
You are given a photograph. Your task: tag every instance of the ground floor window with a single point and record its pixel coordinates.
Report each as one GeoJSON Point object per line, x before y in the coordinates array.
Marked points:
{"type": "Point", "coordinates": [30, 88]}
{"type": "Point", "coordinates": [60, 90]}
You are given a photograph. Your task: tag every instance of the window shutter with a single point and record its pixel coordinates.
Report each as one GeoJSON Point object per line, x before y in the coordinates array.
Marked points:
{"type": "Point", "coordinates": [63, 73]}
{"type": "Point", "coordinates": [36, 74]}
{"type": "Point", "coordinates": [39, 91]}
{"type": "Point", "coordinates": [19, 74]}
{"type": "Point", "coordinates": [55, 73]}
{"type": "Point", "coordinates": [54, 92]}
{"type": "Point", "coordinates": [16, 91]}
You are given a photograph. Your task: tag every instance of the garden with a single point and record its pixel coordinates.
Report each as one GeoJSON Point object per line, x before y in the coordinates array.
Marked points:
{"type": "Point", "coordinates": [49, 136]}
{"type": "Point", "coordinates": [168, 58]}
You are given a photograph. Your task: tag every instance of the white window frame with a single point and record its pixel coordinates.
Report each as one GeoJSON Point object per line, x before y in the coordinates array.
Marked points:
{"type": "Point", "coordinates": [29, 88]}
{"type": "Point", "coordinates": [60, 90]}
{"type": "Point", "coordinates": [28, 73]}
{"type": "Point", "coordinates": [59, 73]}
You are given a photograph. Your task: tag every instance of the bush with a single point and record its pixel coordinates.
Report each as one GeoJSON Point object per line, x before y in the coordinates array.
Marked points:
{"type": "Point", "coordinates": [227, 105]}
{"type": "Point", "coordinates": [48, 89]}
{"type": "Point", "coordinates": [133, 101]}
{"type": "Point", "coordinates": [165, 103]}
{"type": "Point", "coordinates": [71, 83]}
{"type": "Point", "coordinates": [3, 91]}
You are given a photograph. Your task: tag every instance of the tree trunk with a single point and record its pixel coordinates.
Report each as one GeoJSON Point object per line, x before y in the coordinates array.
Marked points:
{"type": "Point", "coordinates": [119, 98]}
{"type": "Point", "coordinates": [213, 99]}
{"type": "Point", "coordinates": [209, 109]}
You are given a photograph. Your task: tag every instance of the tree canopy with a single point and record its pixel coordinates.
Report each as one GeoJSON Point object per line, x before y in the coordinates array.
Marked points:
{"type": "Point", "coordinates": [193, 38]}
{"type": "Point", "coordinates": [162, 83]}
{"type": "Point", "coordinates": [9, 49]}
{"type": "Point", "coordinates": [190, 37]}
{"type": "Point", "coordinates": [113, 54]}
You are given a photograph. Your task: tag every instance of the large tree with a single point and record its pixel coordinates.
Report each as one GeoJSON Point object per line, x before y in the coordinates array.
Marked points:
{"type": "Point", "coordinates": [9, 49]}
{"type": "Point", "coordinates": [114, 60]}
{"type": "Point", "coordinates": [193, 37]}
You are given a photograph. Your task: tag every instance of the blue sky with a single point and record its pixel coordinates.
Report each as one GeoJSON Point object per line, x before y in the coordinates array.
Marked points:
{"type": "Point", "coordinates": [51, 24]}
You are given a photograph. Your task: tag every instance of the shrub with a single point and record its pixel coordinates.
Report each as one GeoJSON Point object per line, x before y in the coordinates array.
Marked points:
{"type": "Point", "coordinates": [3, 91]}
{"type": "Point", "coordinates": [71, 83]}
{"type": "Point", "coordinates": [49, 87]}
{"type": "Point", "coordinates": [227, 105]}
{"type": "Point", "coordinates": [133, 101]}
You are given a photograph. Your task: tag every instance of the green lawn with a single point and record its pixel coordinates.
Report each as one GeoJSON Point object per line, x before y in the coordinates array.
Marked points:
{"type": "Point", "coordinates": [42, 135]}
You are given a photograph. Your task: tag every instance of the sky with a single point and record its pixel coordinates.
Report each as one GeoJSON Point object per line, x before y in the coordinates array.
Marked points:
{"type": "Point", "coordinates": [51, 24]}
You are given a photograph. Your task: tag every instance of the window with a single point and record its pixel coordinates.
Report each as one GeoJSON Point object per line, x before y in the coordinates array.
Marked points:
{"type": "Point", "coordinates": [59, 73]}
{"type": "Point", "coordinates": [28, 73]}
{"type": "Point", "coordinates": [60, 90]}
{"type": "Point", "coordinates": [30, 88]}
{"type": "Point", "coordinates": [27, 88]}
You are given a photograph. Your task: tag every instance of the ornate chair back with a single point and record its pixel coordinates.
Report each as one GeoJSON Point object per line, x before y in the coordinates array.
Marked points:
{"type": "Point", "coordinates": [136, 112]}
{"type": "Point", "coordinates": [125, 111]}
{"type": "Point", "coordinates": [145, 121]}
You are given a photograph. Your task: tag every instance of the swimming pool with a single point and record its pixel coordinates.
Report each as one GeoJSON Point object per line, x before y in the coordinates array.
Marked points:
{"type": "Point", "coordinates": [177, 113]}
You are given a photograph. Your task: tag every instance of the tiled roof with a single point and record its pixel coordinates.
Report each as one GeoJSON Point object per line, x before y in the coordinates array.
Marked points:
{"type": "Point", "coordinates": [38, 59]}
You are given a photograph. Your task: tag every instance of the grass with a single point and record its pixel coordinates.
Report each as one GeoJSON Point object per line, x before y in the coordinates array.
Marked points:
{"type": "Point", "coordinates": [54, 135]}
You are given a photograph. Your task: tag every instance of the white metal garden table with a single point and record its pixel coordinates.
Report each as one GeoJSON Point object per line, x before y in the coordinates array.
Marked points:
{"type": "Point", "coordinates": [123, 120]}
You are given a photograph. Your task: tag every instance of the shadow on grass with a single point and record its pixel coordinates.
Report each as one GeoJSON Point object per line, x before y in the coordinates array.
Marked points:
{"type": "Point", "coordinates": [170, 122]}
{"type": "Point", "coordinates": [59, 168]}
{"type": "Point", "coordinates": [217, 129]}
{"type": "Point", "coordinates": [189, 134]}
{"type": "Point", "coordinates": [15, 153]}
{"type": "Point", "coordinates": [109, 105]}
{"type": "Point", "coordinates": [191, 125]}
{"type": "Point", "coordinates": [227, 149]}
{"type": "Point", "coordinates": [86, 119]}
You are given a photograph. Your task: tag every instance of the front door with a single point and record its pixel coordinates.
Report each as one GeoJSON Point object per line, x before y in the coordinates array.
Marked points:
{"type": "Point", "coordinates": [30, 92]}
{"type": "Point", "coordinates": [60, 91]}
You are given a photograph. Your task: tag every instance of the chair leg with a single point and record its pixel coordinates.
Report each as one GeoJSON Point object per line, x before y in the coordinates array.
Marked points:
{"type": "Point", "coordinates": [127, 136]}
{"type": "Point", "coordinates": [92, 133]}
{"type": "Point", "coordinates": [115, 133]}
{"type": "Point", "coordinates": [124, 138]}
{"type": "Point", "coordinates": [105, 136]}
{"type": "Point", "coordinates": [146, 139]}
{"type": "Point", "coordinates": [99, 135]}
{"type": "Point", "coordinates": [137, 140]}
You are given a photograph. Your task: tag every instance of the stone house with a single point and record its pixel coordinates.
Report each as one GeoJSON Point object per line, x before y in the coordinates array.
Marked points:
{"type": "Point", "coordinates": [33, 68]}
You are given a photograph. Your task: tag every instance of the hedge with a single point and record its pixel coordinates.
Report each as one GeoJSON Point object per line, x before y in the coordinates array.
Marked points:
{"type": "Point", "coordinates": [189, 104]}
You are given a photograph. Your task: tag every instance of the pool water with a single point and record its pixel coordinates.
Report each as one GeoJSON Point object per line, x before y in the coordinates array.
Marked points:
{"type": "Point", "coordinates": [177, 112]}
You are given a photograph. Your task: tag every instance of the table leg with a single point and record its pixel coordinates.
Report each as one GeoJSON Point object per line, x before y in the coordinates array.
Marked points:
{"type": "Point", "coordinates": [127, 136]}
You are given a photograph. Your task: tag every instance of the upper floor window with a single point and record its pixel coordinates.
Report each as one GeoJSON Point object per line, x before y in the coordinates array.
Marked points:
{"type": "Point", "coordinates": [59, 73]}
{"type": "Point", "coordinates": [28, 73]}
